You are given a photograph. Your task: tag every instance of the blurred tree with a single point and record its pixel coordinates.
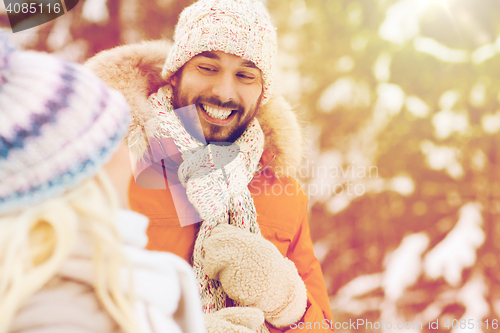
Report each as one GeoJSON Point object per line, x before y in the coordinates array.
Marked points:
{"type": "Point", "coordinates": [96, 25]}
{"type": "Point", "coordinates": [410, 88]}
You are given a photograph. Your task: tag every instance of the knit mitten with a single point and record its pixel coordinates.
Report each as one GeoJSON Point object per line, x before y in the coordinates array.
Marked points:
{"type": "Point", "coordinates": [237, 319]}
{"type": "Point", "coordinates": [253, 272]}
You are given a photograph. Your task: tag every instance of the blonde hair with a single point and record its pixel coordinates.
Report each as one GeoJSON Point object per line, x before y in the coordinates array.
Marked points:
{"type": "Point", "coordinates": [34, 244]}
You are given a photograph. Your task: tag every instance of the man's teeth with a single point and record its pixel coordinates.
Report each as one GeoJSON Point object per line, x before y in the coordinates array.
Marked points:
{"type": "Point", "coordinates": [216, 112]}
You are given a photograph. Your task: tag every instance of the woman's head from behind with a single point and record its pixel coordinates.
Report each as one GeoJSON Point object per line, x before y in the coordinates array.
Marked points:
{"type": "Point", "coordinates": [59, 124]}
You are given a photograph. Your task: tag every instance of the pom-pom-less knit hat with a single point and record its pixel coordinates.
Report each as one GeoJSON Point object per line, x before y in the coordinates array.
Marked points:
{"type": "Point", "coordinates": [59, 123]}
{"type": "Point", "coordinates": [239, 27]}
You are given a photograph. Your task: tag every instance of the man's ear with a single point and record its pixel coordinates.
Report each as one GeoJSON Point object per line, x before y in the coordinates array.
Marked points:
{"type": "Point", "coordinates": [174, 79]}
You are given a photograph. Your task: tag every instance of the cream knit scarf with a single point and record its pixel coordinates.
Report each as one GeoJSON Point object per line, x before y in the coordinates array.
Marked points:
{"type": "Point", "coordinates": [216, 179]}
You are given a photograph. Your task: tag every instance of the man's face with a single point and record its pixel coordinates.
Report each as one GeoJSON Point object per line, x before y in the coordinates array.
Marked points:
{"type": "Point", "coordinates": [226, 91]}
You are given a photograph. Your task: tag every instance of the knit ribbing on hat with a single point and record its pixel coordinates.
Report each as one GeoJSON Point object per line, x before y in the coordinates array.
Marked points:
{"type": "Point", "coordinates": [59, 123]}
{"type": "Point", "coordinates": [239, 27]}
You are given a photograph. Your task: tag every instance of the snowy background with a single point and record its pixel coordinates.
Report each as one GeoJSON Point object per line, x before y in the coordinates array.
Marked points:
{"type": "Point", "coordinates": [401, 103]}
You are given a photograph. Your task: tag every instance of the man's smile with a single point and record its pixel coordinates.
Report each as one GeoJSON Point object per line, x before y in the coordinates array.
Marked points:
{"type": "Point", "coordinates": [216, 115]}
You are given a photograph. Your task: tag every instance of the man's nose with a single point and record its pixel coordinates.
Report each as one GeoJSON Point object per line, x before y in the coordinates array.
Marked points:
{"type": "Point", "coordinates": [225, 88]}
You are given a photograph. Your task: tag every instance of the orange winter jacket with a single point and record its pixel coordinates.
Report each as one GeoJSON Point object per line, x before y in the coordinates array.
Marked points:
{"type": "Point", "coordinates": [282, 216]}
{"type": "Point", "coordinates": [281, 205]}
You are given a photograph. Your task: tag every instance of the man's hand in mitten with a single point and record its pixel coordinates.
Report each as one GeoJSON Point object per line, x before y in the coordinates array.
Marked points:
{"type": "Point", "coordinates": [237, 320]}
{"type": "Point", "coordinates": [253, 272]}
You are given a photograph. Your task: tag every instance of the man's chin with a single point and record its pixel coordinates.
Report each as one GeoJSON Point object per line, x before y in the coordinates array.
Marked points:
{"type": "Point", "coordinates": [225, 135]}
{"type": "Point", "coordinates": [220, 138]}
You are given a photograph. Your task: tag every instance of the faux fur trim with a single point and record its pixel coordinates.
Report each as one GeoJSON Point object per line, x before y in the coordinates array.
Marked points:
{"type": "Point", "coordinates": [135, 70]}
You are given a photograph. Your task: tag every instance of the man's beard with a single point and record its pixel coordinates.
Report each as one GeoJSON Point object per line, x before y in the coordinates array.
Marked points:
{"type": "Point", "coordinates": [211, 133]}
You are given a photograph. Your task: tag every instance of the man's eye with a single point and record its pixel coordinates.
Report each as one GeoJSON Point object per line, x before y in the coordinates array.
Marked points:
{"type": "Point", "coordinates": [206, 69]}
{"type": "Point", "coordinates": [246, 77]}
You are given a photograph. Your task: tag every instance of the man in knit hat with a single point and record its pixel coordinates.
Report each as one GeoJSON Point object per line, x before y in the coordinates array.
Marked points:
{"type": "Point", "coordinates": [252, 252]}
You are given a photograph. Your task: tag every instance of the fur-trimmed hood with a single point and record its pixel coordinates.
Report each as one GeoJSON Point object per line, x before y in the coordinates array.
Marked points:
{"type": "Point", "coordinates": [135, 70]}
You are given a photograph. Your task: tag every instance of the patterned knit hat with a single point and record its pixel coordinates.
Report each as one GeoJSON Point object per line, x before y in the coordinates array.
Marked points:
{"type": "Point", "coordinates": [239, 27]}
{"type": "Point", "coordinates": [59, 123]}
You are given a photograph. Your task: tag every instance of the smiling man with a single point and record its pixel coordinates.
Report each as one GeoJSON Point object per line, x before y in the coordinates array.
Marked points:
{"type": "Point", "coordinates": [222, 131]}
{"type": "Point", "coordinates": [226, 90]}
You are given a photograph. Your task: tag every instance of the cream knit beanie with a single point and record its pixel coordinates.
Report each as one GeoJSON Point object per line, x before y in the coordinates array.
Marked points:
{"type": "Point", "coordinates": [239, 27]}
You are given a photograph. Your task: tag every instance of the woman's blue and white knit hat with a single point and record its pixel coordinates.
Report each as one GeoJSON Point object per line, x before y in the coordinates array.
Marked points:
{"type": "Point", "coordinates": [59, 124]}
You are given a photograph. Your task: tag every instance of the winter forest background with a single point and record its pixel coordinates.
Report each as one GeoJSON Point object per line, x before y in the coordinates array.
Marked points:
{"type": "Point", "coordinates": [401, 101]}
